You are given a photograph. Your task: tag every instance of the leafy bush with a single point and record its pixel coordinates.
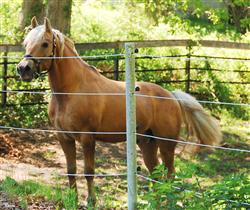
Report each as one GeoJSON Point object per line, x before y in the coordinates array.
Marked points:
{"type": "Point", "coordinates": [230, 193]}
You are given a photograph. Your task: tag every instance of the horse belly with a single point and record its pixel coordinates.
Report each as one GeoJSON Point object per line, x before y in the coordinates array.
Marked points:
{"type": "Point", "coordinates": [110, 138]}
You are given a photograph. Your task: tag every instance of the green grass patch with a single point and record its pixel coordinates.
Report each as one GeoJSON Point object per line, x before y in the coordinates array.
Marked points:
{"type": "Point", "coordinates": [22, 191]}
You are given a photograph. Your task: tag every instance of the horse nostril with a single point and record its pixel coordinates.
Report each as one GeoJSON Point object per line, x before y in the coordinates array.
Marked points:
{"type": "Point", "coordinates": [24, 71]}
{"type": "Point", "coordinates": [21, 69]}
{"type": "Point", "coordinates": [27, 68]}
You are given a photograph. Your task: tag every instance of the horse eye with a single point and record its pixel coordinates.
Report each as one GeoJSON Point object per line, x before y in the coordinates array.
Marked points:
{"type": "Point", "coordinates": [45, 44]}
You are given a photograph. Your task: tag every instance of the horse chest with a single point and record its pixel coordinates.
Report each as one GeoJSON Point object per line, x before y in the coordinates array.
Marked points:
{"type": "Point", "coordinates": [73, 115]}
{"type": "Point", "coordinates": [58, 113]}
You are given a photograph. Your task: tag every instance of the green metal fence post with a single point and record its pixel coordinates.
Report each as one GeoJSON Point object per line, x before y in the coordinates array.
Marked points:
{"type": "Point", "coordinates": [4, 77]}
{"type": "Point", "coordinates": [116, 65]}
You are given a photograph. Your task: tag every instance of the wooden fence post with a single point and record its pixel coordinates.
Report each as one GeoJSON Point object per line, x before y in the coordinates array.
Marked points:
{"type": "Point", "coordinates": [4, 76]}
{"type": "Point", "coordinates": [116, 65]}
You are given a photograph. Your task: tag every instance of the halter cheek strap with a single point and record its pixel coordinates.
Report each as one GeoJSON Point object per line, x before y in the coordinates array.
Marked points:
{"type": "Point", "coordinates": [37, 61]}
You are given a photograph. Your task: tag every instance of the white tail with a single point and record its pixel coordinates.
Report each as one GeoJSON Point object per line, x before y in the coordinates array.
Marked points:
{"type": "Point", "coordinates": [199, 122]}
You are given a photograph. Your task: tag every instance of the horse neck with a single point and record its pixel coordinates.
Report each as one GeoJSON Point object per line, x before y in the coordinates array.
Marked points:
{"type": "Point", "coordinates": [65, 74]}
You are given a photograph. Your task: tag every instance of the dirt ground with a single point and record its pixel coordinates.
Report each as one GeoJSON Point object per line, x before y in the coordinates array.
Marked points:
{"type": "Point", "coordinates": [38, 156]}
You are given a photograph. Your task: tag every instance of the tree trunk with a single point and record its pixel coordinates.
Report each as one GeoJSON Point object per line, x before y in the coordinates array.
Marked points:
{"type": "Point", "coordinates": [31, 8]}
{"type": "Point", "coordinates": [237, 12]}
{"type": "Point", "coordinates": [59, 13]}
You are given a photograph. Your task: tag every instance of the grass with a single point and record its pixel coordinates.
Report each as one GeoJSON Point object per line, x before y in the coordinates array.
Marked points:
{"type": "Point", "coordinates": [23, 191]}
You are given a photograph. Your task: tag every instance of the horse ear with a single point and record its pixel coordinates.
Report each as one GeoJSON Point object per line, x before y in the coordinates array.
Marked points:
{"type": "Point", "coordinates": [47, 25]}
{"type": "Point", "coordinates": [34, 22]}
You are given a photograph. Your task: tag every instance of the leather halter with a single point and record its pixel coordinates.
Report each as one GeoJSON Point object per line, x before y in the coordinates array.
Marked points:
{"type": "Point", "coordinates": [37, 61]}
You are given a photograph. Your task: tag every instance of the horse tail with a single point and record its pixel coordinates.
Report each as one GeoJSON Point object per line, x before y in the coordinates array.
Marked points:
{"type": "Point", "coordinates": [199, 123]}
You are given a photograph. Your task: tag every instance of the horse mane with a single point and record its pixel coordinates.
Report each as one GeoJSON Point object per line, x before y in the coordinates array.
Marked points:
{"type": "Point", "coordinates": [70, 43]}
{"type": "Point", "coordinates": [62, 40]}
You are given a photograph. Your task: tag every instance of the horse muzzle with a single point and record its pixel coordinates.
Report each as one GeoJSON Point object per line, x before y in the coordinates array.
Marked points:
{"type": "Point", "coordinates": [25, 71]}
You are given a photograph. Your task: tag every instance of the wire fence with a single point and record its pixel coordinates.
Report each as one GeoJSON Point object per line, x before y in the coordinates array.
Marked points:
{"type": "Point", "coordinates": [118, 94]}
{"type": "Point", "coordinates": [192, 143]}
{"type": "Point", "coordinates": [123, 133]}
{"type": "Point", "coordinates": [123, 94]}
{"type": "Point", "coordinates": [204, 58]}
{"type": "Point", "coordinates": [117, 73]}
{"type": "Point", "coordinates": [106, 56]}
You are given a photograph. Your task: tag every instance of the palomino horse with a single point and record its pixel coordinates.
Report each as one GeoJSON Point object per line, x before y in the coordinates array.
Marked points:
{"type": "Point", "coordinates": [106, 113]}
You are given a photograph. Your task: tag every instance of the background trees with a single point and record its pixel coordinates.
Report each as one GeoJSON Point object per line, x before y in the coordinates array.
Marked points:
{"type": "Point", "coordinates": [59, 12]}
{"type": "Point", "coordinates": [220, 13]}
{"type": "Point", "coordinates": [31, 8]}
{"type": "Point", "coordinates": [125, 19]}
{"type": "Point", "coordinates": [239, 14]}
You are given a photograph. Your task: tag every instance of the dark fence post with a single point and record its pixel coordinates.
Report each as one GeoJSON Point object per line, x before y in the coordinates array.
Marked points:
{"type": "Point", "coordinates": [188, 63]}
{"type": "Point", "coordinates": [116, 65]}
{"type": "Point", "coordinates": [4, 76]}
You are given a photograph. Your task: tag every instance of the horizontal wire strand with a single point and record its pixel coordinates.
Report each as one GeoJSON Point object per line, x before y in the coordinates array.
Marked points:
{"type": "Point", "coordinates": [120, 94]}
{"type": "Point", "coordinates": [198, 194]}
{"type": "Point", "coordinates": [193, 143]}
{"type": "Point", "coordinates": [66, 57]}
{"type": "Point", "coordinates": [136, 55]}
{"type": "Point", "coordinates": [94, 175]}
{"type": "Point", "coordinates": [200, 101]}
{"type": "Point", "coordinates": [158, 182]}
{"type": "Point", "coordinates": [61, 93]}
{"type": "Point", "coordinates": [62, 131]}
{"type": "Point", "coordinates": [122, 133]}
{"type": "Point", "coordinates": [53, 173]}
{"type": "Point", "coordinates": [191, 58]}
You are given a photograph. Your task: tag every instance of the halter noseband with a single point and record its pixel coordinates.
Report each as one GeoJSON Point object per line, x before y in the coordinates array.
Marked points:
{"type": "Point", "coordinates": [37, 61]}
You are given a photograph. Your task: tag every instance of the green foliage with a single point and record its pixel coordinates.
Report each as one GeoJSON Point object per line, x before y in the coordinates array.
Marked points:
{"type": "Point", "coordinates": [230, 193]}
{"type": "Point", "coordinates": [187, 14]}
{"type": "Point", "coordinates": [27, 116]}
{"type": "Point", "coordinates": [232, 188]}
{"type": "Point", "coordinates": [9, 30]}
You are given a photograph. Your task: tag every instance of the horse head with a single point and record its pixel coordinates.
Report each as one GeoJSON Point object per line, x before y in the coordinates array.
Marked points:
{"type": "Point", "coordinates": [42, 44]}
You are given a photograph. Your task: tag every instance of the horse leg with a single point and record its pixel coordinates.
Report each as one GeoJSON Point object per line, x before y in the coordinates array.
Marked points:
{"type": "Point", "coordinates": [88, 145]}
{"type": "Point", "coordinates": [148, 148]}
{"type": "Point", "coordinates": [69, 149]}
{"type": "Point", "coordinates": [167, 150]}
